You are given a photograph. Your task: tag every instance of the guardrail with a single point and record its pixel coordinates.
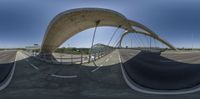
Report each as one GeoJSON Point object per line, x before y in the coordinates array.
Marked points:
{"type": "Point", "coordinates": [64, 58]}
{"type": "Point", "coordinates": [58, 60]}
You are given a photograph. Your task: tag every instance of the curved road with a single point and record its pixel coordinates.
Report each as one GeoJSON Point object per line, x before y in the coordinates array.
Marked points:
{"type": "Point", "coordinates": [162, 72]}
{"type": "Point", "coordinates": [7, 62]}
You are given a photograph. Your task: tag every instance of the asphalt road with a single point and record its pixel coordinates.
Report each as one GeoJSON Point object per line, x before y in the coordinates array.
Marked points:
{"type": "Point", "coordinates": [107, 82]}
{"type": "Point", "coordinates": [167, 71]}
{"type": "Point", "coordinates": [7, 59]}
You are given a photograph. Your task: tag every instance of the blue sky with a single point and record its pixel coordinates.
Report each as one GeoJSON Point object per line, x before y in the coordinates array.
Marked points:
{"type": "Point", "coordinates": [24, 22]}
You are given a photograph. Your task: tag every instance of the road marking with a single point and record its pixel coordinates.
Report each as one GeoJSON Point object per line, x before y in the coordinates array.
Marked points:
{"type": "Point", "coordinates": [138, 88]}
{"type": "Point", "coordinates": [97, 68]}
{"type": "Point", "coordinates": [35, 67]}
{"type": "Point", "coordinates": [61, 76]}
{"type": "Point", "coordinates": [8, 79]}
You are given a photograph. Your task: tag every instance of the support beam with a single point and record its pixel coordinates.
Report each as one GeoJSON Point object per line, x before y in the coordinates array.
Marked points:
{"type": "Point", "coordinates": [95, 29]}
{"type": "Point", "coordinates": [153, 36]}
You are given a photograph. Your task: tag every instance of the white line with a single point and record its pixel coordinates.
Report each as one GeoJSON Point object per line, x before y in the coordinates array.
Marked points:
{"type": "Point", "coordinates": [139, 88]}
{"type": "Point", "coordinates": [22, 55]}
{"type": "Point", "coordinates": [35, 67]}
{"type": "Point", "coordinates": [97, 68]}
{"type": "Point", "coordinates": [61, 76]}
{"type": "Point", "coordinates": [9, 78]}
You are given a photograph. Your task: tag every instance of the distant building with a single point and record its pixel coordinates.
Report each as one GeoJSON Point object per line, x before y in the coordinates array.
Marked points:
{"type": "Point", "coordinates": [33, 47]}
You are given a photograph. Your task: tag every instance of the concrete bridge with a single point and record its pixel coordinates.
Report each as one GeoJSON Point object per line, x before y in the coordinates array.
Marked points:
{"type": "Point", "coordinates": [71, 22]}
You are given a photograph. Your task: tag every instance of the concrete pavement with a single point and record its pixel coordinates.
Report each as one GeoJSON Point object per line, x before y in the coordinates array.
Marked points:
{"type": "Point", "coordinates": [106, 82]}
{"type": "Point", "coordinates": [155, 71]}
{"type": "Point", "coordinates": [7, 67]}
{"type": "Point", "coordinates": [30, 83]}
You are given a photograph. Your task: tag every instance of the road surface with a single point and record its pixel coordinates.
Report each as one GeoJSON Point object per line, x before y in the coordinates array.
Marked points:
{"type": "Point", "coordinates": [165, 71]}
{"type": "Point", "coordinates": [92, 82]}
{"type": "Point", "coordinates": [7, 61]}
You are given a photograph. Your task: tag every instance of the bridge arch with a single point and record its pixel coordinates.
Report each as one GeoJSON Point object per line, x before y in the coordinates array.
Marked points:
{"type": "Point", "coordinates": [150, 35]}
{"type": "Point", "coordinates": [71, 22]}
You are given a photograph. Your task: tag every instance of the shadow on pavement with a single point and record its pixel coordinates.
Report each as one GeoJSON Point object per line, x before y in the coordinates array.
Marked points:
{"type": "Point", "coordinates": [5, 69]}
{"type": "Point", "coordinates": [107, 82]}
{"type": "Point", "coordinates": [153, 71]}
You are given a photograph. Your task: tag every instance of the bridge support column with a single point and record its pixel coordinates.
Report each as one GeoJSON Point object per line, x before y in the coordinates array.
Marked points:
{"type": "Point", "coordinates": [48, 57]}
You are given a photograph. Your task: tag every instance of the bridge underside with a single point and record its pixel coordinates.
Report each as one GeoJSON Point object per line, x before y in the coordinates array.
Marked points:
{"type": "Point", "coordinates": [71, 22]}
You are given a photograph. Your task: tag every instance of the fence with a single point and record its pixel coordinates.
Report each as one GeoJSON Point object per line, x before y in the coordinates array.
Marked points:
{"type": "Point", "coordinates": [71, 58]}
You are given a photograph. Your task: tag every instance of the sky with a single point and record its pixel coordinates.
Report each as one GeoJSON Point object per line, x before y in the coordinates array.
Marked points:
{"type": "Point", "coordinates": [24, 22]}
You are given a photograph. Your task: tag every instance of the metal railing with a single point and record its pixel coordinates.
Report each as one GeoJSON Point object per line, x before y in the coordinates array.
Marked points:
{"type": "Point", "coordinates": [70, 58]}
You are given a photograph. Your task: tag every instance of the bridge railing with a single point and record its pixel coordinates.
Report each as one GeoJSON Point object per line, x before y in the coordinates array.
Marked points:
{"type": "Point", "coordinates": [70, 57]}
{"type": "Point", "coordinates": [99, 51]}
{"type": "Point", "coordinates": [59, 58]}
